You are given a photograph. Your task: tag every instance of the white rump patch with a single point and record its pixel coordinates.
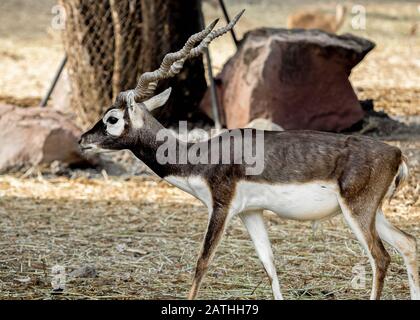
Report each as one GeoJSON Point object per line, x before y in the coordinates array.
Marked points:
{"type": "Point", "coordinates": [117, 128]}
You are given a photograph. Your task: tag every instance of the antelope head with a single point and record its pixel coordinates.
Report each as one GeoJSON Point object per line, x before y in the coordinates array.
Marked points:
{"type": "Point", "coordinates": [129, 120]}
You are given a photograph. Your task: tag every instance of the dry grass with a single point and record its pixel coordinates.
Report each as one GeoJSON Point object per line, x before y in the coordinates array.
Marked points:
{"type": "Point", "coordinates": [142, 236]}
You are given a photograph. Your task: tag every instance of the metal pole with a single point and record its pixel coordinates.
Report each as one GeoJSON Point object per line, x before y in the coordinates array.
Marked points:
{"type": "Point", "coordinates": [213, 93]}
{"type": "Point", "coordinates": [227, 18]}
{"type": "Point", "coordinates": [50, 90]}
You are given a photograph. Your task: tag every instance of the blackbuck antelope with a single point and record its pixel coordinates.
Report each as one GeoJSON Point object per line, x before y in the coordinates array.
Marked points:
{"type": "Point", "coordinates": [306, 175]}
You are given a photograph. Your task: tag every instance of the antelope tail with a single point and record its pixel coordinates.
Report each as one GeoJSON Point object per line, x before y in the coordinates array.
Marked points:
{"type": "Point", "coordinates": [400, 178]}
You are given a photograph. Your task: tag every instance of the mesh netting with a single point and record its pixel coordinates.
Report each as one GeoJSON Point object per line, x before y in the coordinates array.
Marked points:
{"type": "Point", "coordinates": [102, 40]}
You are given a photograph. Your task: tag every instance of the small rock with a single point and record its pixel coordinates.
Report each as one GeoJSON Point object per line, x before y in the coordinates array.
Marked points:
{"type": "Point", "coordinates": [84, 272]}
{"type": "Point", "coordinates": [121, 247]}
{"type": "Point", "coordinates": [58, 278]}
{"type": "Point", "coordinates": [264, 124]}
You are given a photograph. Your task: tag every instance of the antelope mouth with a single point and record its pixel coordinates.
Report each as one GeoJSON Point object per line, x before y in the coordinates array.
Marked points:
{"type": "Point", "coordinates": [93, 149]}
{"type": "Point", "coordinates": [87, 148]}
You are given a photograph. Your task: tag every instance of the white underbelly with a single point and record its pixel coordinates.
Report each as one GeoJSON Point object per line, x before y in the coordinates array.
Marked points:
{"type": "Point", "coordinates": [300, 201]}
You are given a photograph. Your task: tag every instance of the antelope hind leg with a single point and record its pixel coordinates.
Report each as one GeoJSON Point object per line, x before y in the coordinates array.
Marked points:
{"type": "Point", "coordinates": [254, 223]}
{"type": "Point", "coordinates": [405, 244]}
{"type": "Point", "coordinates": [362, 223]}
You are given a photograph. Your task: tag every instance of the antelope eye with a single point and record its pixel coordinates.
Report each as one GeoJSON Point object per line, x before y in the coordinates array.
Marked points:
{"type": "Point", "coordinates": [112, 120]}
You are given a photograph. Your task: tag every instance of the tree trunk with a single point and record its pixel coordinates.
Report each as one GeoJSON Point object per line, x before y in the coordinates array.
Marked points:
{"type": "Point", "coordinates": [167, 26]}
{"type": "Point", "coordinates": [89, 44]}
{"type": "Point", "coordinates": [127, 22]}
{"type": "Point", "coordinates": [110, 42]}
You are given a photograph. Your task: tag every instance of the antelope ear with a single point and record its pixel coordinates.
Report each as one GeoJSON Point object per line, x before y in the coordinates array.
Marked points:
{"type": "Point", "coordinates": [158, 100]}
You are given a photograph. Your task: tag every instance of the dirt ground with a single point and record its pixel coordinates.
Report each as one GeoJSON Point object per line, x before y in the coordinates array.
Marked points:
{"type": "Point", "coordinates": [142, 236]}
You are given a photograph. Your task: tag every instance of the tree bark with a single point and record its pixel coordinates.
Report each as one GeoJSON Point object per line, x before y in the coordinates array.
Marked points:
{"type": "Point", "coordinates": [167, 24]}
{"type": "Point", "coordinates": [127, 22]}
{"type": "Point", "coordinates": [89, 44]}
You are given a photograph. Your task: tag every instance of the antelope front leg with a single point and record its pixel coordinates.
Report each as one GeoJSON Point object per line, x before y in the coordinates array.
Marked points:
{"type": "Point", "coordinates": [213, 236]}
{"type": "Point", "coordinates": [254, 223]}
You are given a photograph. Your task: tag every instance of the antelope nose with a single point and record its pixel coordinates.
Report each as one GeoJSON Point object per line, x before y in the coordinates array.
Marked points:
{"type": "Point", "coordinates": [82, 140]}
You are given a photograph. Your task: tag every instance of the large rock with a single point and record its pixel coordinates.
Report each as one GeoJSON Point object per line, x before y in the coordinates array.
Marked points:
{"type": "Point", "coordinates": [32, 136]}
{"type": "Point", "coordinates": [296, 78]}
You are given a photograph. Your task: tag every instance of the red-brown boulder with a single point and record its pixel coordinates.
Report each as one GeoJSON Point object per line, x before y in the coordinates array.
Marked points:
{"type": "Point", "coordinates": [32, 136]}
{"type": "Point", "coordinates": [296, 78]}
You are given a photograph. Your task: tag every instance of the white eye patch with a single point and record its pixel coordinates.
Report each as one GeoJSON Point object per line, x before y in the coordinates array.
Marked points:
{"type": "Point", "coordinates": [114, 122]}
